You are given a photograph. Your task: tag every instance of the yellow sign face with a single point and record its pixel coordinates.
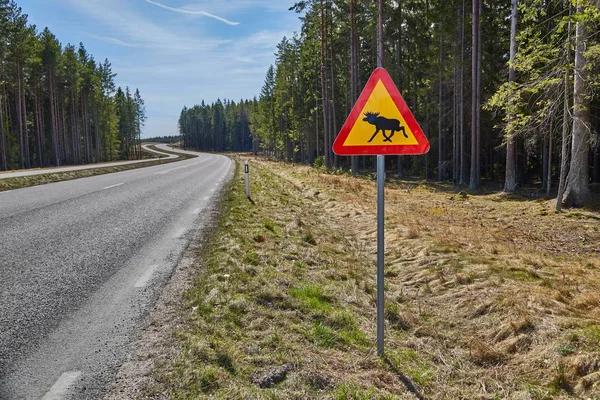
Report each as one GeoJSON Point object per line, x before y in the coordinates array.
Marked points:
{"type": "Point", "coordinates": [380, 123]}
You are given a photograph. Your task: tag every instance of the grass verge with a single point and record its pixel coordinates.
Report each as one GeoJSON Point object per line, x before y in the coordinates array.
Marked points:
{"type": "Point", "coordinates": [485, 298]}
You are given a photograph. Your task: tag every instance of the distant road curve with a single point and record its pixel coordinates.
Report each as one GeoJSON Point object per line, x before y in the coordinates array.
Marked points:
{"type": "Point", "coordinates": [41, 171]}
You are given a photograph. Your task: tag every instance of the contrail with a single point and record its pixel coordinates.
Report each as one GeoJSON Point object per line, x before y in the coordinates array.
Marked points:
{"type": "Point", "coordinates": [184, 11]}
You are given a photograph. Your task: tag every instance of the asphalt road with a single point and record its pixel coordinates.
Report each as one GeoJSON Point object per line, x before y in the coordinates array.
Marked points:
{"type": "Point", "coordinates": [82, 262]}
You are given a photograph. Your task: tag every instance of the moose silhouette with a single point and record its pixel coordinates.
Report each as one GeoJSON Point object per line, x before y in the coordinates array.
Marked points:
{"type": "Point", "coordinates": [384, 124]}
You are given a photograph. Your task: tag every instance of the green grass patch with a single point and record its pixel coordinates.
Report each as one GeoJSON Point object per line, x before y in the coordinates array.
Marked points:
{"type": "Point", "coordinates": [313, 297]}
{"type": "Point", "coordinates": [269, 225]}
{"type": "Point", "coordinates": [413, 364]}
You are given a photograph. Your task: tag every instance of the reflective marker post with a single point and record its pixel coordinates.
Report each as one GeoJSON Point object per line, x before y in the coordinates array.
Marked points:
{"type": "Point", "coordinates": [247, 174]}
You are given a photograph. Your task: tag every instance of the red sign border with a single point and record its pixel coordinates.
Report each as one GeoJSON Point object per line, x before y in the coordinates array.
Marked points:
{"type": "Point", "coordinates": [415, 149]}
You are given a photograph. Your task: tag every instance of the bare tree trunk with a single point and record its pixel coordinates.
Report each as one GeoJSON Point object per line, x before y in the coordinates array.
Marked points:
{"type": "Point", "coordinates": [316, 128]}
{"type": "Point", "coordinates": [544, 162]}
{"type": "Point", "coordinates": [400, 71]}
{"type": "Point", "coordinates": [596, 176]}
{"type": "Point", "coordinates": [461, 102]}
{"type": "Point", "coordinates": [39, 130]}
{"type": "Point", "coordinates": [353, 71]}
{"type": "Point", "coordinates": [479, 67]}
{"type": "Point", "coordinates": [510, 180]}
{"type": "Point", "coordinates": [474, 182]}
{"type": "Point", "coordinates": [20, 120]}
{"type": "Point", "coordinates": [441, 140]}
{"type": "Point", "coordinates": [53, 117]}
{"type": "Point", "coordinates": [97, 131]}
{"type": "Point", "coordinates": [24, 122]}
{"type": "Point", "coordinates": [455, 86]}
{"type": "Point", "coordinates": [3, 152]}
{"type": "Point", "coordinates": [324, 91]}
{"type": "Point", "coordinates": [578, 190]}
{"type": "Point", "coordinates": [333, 108]}
{"type": "Point", "coordinates": [550, 144]}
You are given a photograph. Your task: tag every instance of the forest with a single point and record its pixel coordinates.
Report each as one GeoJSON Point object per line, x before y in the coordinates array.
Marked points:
{"type": "Point", "coordinates": [57, 104]}
{"type": "Point", "coordinates": [504, 90]}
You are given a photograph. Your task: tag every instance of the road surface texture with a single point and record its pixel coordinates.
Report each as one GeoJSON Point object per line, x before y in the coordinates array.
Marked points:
{"type": "Point", "coordinates": [81, 263]}
{"type": "Point", "coordinates": [53, 170]}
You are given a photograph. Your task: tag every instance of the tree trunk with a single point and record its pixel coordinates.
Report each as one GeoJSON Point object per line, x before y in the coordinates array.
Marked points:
{"type": "Point", "coordinates": [353, 72]}
{"type": "Point", "coordinates": [577, 192]}
{"type": "Point", "coordinates": [474, 183]}
{"type": "Point", "coordinates": [549, 176]}
{"type": "Point", "coordinates": [596, 176]}
{"type": "Point", "coordinates": [461, 103]}
{"type": "Point", "coordinates": [564, 154]}
{"type": "Point", "coordinates": [333, 108]}
{"type": "Point", "coordinates": [97, 131]}
{"type": "Point", "coordinates": [21, 134]}
{"type": "Point", "coordinates": [441, 144]}
{"type": "Point", "coordinates": [53, 119]}
{"type": "Point", "coordinates": [479, 67]}
{"type": "Point", "coordinates": [39, 129]}
{"type": "Point", "coordinates": [324, 91]}
{"type": "Point", "coordinates": [544, 162]}
{"type": "Point", "coordinates": [510, 180]}
{"type": "Point", "coordinates": [3, 152]}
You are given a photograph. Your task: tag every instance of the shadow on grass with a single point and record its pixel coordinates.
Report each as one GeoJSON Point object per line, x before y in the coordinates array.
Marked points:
{"type": "Point", "coordinates": [405, 380]}
{"type": "Point", "coordinates": [524, 194]}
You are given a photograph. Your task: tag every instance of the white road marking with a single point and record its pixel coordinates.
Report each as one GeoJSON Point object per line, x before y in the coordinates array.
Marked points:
{"type": "Point", "coordinates": [143, 280]}
{"type": "Point", "coordinates": [180, 233]}
{"type": "Point", "coordinates": [59, 390]}
{"type": "Point", "coordinates": [7, 191]}
{"type": "Point", "coordinates": [171, 170]}
{"type": "Point", "coordinates": [112, 186]}
{"type": "Point", "coordinates": [197, 211]}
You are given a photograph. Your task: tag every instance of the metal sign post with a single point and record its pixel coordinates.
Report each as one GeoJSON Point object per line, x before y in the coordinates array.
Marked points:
{"type": "Point", "coordinates": [380, 250]}
{"type": "Point", "coordinates": [247, 175]}
{"type": "Point", "coordinates": [380, 203]}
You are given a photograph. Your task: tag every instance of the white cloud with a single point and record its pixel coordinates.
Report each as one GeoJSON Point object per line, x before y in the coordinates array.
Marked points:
{"type": "Point", "coordinates": [238, 6]}
{"type": "Point", "coordinates": [192, 12]}
{"type": "Point", "coordinates": [137, 30]}
{"type": "Point", "coordinates": [109, 39]}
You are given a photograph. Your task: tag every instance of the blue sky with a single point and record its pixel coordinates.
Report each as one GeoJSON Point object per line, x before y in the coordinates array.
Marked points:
{"type": "Point", "coordinates": [177, 52]}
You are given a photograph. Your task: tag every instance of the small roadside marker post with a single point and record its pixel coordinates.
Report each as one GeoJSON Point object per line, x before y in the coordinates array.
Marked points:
{"type": "Point", "coordinates": [247, 174]}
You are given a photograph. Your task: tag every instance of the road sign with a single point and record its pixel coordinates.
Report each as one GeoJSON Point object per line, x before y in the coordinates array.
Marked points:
{"type": "Point", "coordinates": [380, 122]}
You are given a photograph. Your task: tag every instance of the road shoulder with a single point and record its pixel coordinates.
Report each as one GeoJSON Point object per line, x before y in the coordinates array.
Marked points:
{"type": "Point", "coordinates": [155, 344]}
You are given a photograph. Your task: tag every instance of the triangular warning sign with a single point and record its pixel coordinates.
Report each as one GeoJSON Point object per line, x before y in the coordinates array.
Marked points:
{"type": "Point", "coordinates": [380, 122]}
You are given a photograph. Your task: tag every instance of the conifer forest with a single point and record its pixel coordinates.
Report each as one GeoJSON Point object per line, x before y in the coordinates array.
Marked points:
{"type": "Point", "coordinates": [58, 105]}
{"type": "Point", "coordinates": [506, 92]}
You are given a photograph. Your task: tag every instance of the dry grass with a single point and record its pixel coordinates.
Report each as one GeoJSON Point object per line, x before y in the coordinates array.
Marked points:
{"type": "Point", "coordinates": [487, 297]}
